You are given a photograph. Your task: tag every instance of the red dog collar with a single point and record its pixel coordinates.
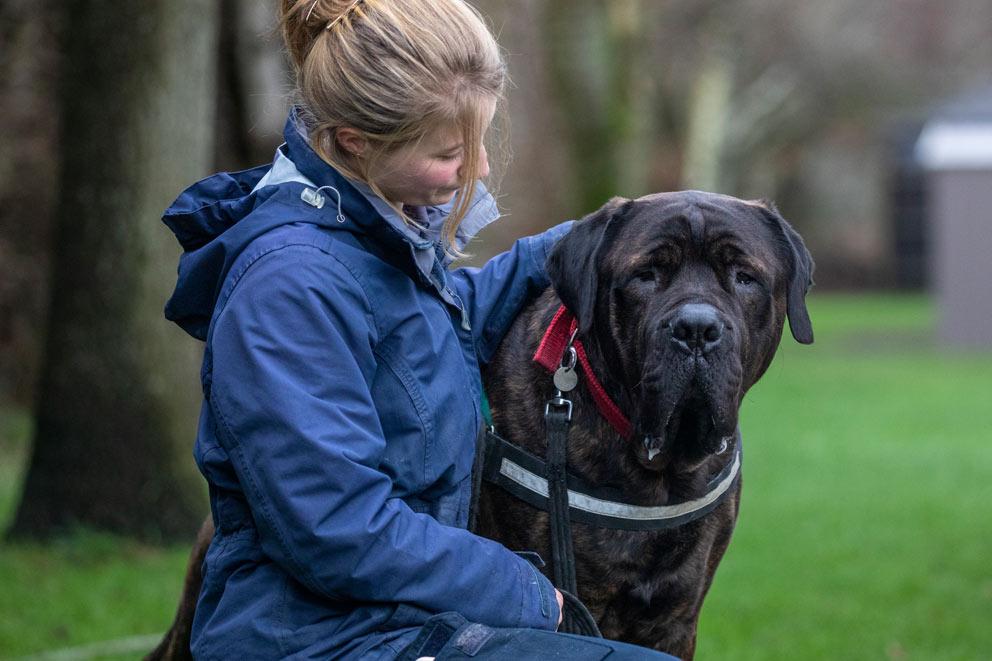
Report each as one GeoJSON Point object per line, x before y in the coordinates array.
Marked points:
{"type": "Point", "coordinates": [550, 353]}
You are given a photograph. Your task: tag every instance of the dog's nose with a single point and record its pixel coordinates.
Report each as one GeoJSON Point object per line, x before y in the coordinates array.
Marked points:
{"type": "Point", "coordinates": [696, 327]}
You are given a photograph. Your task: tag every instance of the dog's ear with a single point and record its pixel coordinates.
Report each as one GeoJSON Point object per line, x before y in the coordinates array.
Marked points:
{"type": "Point", "coordinates": [800, 276]}
{"type": "Point", "coordinates": [573, 265]}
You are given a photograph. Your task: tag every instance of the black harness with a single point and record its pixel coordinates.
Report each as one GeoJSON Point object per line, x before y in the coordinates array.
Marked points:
{"type": "Point", "coordinates": [548, 486]}
{"type": "Point", "coordinates": [526, 476]}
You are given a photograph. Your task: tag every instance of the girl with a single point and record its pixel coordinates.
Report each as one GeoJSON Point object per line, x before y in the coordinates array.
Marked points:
{"type": "Point", "coordinates": [341, 369]}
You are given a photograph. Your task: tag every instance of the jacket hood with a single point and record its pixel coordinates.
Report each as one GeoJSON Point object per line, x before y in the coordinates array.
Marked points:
{"type": "Point", "coordinates": [215, 219]}
{"type": "Point", "coordinates": [207, 220]}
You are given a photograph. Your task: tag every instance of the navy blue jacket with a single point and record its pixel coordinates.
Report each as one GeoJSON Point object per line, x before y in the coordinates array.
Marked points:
{"type": "Point", "coordinates": [341, 404]}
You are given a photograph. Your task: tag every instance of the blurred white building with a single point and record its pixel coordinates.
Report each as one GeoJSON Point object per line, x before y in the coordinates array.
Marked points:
{"type": "Point", "coordinates": [955, 150]}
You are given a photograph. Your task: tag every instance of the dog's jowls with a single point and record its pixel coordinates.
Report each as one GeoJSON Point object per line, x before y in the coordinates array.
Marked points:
{"type": "Point", "coordinates": [681, 300]}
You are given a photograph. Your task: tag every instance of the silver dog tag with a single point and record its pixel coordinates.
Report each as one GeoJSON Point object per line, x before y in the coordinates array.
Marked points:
{"type": "Point", "coordinates": [566, 379]}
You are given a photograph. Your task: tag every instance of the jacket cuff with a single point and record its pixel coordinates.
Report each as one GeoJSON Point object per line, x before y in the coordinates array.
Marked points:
{"type": "Point", "coordinates": [540, 608]}
{"type": "Point", "coordinates": [541, 245]}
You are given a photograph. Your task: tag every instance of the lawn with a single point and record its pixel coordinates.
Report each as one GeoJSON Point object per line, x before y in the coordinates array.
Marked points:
{"type": "Point", "coordinates": [865, 529]}
{"type": "Point", "coordinates": [87, 596]}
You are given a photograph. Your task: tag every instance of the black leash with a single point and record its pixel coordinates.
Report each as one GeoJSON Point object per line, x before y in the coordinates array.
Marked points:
{"type": "Point", "coordinates": [478, 470]}
{"type": "Point", "coordinates": [576, 618]}
{"type": "Point", "coordinates": [558, 414]}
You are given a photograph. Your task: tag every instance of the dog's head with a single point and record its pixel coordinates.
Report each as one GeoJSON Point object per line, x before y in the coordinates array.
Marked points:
{"type": "Point", "coordinates": [683, 296]}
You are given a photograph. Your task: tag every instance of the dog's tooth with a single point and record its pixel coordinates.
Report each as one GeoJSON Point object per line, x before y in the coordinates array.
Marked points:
{"type": "Point", "coordinates": [724, 444]}
{"type": "Point", "coordinates": [653, 445]}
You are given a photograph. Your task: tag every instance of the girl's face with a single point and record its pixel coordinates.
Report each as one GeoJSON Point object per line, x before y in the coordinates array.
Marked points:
{"type": "Point", "coordinates": [429, 172]}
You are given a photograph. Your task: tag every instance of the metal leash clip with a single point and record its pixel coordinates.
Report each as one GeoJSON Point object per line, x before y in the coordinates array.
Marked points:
{"type": "Point", "coordinates": [559, 401]}
{"type": "Point", "coordinates": [565, 379]}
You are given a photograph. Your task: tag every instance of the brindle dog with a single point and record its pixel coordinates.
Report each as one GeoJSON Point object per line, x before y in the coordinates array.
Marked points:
{"type": "Point", "coordinates": [681, 300]}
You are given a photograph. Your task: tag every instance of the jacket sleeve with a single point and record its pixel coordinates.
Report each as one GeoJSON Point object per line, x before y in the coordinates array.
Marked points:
{"type": "Point", "coordinates": [293, 361]}
{"type": "Point", "coordinates": [495, 293]}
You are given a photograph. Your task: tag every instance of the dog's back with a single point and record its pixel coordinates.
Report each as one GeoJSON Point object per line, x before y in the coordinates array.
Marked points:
{"type": "Point", "coordinates": [175, 643]}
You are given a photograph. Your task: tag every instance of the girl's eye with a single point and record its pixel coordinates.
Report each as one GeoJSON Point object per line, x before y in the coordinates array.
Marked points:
{"type": "Point", "coordinates": [450, 156]}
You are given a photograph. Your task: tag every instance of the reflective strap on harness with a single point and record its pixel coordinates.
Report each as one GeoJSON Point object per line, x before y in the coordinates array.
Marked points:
{"type": "Point", "coordinates": [523, 475]}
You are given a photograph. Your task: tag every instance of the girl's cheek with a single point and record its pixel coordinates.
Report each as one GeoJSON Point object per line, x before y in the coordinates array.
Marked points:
{"type": "Point", "coordinates": [442, 175]}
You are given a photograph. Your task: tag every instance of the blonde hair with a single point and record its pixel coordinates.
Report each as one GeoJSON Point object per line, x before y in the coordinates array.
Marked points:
{"type": "Point", "coordinates": [394, 70]}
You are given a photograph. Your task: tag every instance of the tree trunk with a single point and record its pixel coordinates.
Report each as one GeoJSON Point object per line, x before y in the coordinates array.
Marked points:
{"type": "Point", "coordinates": [118, 394]}
{"type": "Point", "coordinates": [28, 58]}
{"type": "Point", "coordinates": [601, 76]}
{"type": "Point", "coordinates": [708, 112]}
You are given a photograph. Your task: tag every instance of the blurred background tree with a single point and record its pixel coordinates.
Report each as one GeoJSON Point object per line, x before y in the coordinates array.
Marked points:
{"type": "Point", "coordinates": [758, 98]}
{"type": "Point", "coordinates": [117, 388]}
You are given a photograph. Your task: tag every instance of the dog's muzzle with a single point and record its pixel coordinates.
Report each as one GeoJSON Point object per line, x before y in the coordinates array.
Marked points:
{"type": "Point", "coordinates": [689, 395]}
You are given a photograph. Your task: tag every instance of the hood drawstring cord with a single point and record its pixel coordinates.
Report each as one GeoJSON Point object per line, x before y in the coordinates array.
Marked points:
{"type": "Point", "coordinates": [316, 200]}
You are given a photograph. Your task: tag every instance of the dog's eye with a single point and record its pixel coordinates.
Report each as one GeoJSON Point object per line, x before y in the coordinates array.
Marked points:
{"type": "Point", "coordinates": [646, 275]}
{"type": "Point", "coordinates": [743, 278]}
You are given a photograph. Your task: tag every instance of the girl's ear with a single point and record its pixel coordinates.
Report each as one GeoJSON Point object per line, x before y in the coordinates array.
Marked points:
{"type": "Point", "coordinates": [351, 140]}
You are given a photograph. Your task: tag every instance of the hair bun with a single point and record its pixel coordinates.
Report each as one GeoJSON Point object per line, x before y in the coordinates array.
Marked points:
{"type": "Point", "coordinates": [340, 15]}
{"type": "Point", "coordinates": [304, 21]}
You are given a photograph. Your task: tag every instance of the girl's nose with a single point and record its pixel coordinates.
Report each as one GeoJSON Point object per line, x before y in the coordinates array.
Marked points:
{"type": "Point", "coordinates": [483, 164]}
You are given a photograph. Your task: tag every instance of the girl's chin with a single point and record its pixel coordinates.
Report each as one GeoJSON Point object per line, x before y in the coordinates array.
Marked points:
{"type": "Point", "coordinates": [444, 197]}
{"type": "Point", "coordinates": [433, 199]}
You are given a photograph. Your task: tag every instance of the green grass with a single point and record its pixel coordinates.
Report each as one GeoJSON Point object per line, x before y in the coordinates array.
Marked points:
{"type": "Point", "coordinates": [865, 529]}
{"type": "Point", "coordinates": [15, 433]}
{"type": "Point", "coordinates": [82, 589]}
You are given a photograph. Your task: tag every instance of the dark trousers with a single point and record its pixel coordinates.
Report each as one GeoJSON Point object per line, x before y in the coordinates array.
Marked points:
{"type": "Point", "coordinates": [450, 636]}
